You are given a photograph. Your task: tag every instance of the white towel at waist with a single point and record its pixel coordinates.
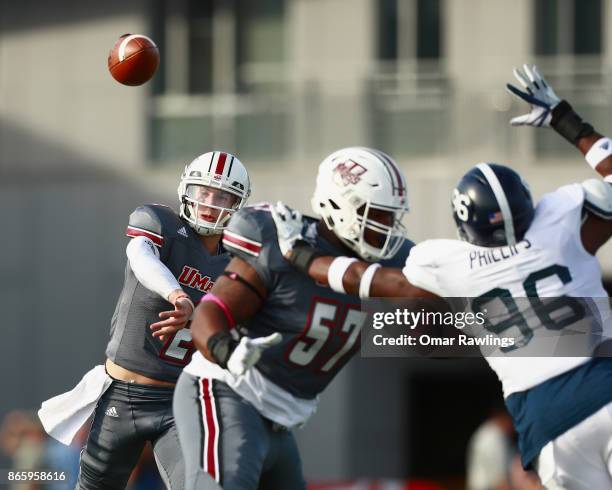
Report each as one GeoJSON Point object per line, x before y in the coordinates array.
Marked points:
{"type": "Point", "coordinates": [63, 415]}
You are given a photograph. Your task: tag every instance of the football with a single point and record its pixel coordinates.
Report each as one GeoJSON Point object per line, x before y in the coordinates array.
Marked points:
{"type": "Point", "coordinates": [133, 59]}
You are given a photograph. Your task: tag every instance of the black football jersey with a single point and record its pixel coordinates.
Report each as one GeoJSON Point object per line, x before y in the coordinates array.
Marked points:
{"type": "Point", "coordinates": [132, 344]}
{"type": "Point", "coordinates": [320, 328]}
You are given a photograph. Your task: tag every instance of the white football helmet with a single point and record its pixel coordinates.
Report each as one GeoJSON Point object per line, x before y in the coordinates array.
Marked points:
{"type": "Point", "coordinates": [212, 188]}
{"type": "Point", "coordinates": [361, 196]}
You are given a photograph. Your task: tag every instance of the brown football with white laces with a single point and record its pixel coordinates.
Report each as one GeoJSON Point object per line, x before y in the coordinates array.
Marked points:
{"type": "Point", "coordinates": [133, 59]}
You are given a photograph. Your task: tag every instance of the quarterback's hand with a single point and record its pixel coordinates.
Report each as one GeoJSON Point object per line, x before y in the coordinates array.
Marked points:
{"type": "Point", "coordinates": [248, 351]}
{"type": "Point", "coordinates": [288, 226]}
{"type": "Point", "coordinates": [539, 95]}
{"type": "Point", "coordinates": [174, 320]}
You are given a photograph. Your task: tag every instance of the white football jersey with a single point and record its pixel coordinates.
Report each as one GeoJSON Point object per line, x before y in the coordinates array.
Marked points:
{"type": "Point", "coordinates": [550, 262]}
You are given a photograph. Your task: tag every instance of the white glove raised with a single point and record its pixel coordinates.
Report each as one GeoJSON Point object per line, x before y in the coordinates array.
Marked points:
{"type": "Point", "coordinates": [539, 95]}
{"type": "Point", "coordinates": [288, 226]}
{"type": "Point", "coordinates": [248, 351]}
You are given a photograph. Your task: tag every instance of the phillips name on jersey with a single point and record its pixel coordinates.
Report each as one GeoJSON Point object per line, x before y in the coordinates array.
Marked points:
{"type": "Point", "coordinates": [550, 262]}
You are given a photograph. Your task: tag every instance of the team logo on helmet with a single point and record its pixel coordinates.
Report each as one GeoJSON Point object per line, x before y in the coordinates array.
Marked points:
{"type": "Point", "coordinates": [350, 172]}
{"type": "Point", "coordinates": [360, 195]}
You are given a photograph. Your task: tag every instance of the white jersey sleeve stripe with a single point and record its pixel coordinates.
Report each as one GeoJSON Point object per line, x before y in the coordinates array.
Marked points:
{"type": "Point", "coordinates": [231, 234]}
{"type": "Point", "coordinates": [133, 231]}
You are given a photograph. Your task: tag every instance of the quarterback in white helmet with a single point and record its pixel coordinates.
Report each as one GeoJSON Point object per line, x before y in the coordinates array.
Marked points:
{"type": "Point", "coordinates": [212, 188]}
{"type": "Point", "coordinates": [173, 261]}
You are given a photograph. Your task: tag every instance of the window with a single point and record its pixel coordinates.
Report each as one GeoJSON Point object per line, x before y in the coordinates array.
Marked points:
{"type": "Point", "coordinates": [387, 30]}
{"type": "Point", "coordinates": [587, 26]}
{"type": "Point", "coordinates": [568, 34]}
{"type": "Point", "coordinates": [221, 81]}
{"type": "Point", "coordinates": [409, 29]}
{"type": "Point", "coordinates": [428, 29]}
{"type": "Point", "coordinates": [200, 39]}
{"type": "Point", "coordinates": [409, 90]}
{"type": "Point", "coordinates": [568, 27]}
{"type": "Point", "coordinates": [222, 46]}
{"type": "Point", "coordinates": [260, 44]}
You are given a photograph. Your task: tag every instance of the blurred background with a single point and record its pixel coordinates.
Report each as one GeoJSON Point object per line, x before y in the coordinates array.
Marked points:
{"type": "Point", "coordinates": [281, 83]}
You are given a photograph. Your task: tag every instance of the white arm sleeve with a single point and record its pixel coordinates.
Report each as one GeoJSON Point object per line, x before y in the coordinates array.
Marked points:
{"type": "Point", "coordinates": [148, 269]}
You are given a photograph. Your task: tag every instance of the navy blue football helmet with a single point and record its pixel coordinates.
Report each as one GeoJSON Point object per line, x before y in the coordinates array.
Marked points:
{"type": "Point", "coordinates": [492, 206]}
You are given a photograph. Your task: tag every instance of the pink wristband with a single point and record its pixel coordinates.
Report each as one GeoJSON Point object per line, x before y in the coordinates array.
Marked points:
{"type": "Point", "coordinates": [219, 302]}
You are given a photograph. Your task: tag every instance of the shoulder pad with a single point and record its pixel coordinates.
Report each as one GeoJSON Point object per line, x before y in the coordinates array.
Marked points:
{"type": "Point", "coordinates": [155, 221]}
{"type": "Point", "coordinates": [598, 198]}
{"type": "Point", "coordinates": [556, 206]}
{"type": "Point", "coordinates": [425, 253]}
{"type": "Point", "coordinates": [248, 229]}
{"type": "Point", "coordinates": [251, 235]}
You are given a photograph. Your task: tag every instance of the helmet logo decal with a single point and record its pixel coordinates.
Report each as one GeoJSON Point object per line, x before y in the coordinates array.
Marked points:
{"type": "Point", "coordinates": [460, 205]}
{"type": "Point", "coordinates": [495, 218]}
{"type": "Point", "coordinates": [350, 172]}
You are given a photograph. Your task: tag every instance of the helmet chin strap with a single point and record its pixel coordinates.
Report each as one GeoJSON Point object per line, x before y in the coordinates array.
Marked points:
{"type": "Point", "coordinates": [330, 235]}
{"type": "Point", "coordinates": [205, 231]}
{"type": "Point", "coordinates": [356, 247]}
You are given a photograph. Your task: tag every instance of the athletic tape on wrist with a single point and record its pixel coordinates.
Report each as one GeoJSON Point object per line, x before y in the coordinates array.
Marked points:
{"type": "Point", "coordinates": [226, 311]}
{"type": "Point", "coordinates": [366, 280]}
{"type": "Point", "coordinates": [599, 151]}
{"type": "Point", "coordinates": [336, 271]}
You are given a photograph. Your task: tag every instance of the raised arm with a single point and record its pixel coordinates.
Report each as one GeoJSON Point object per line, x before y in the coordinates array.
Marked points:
{"type": "Point", "coordinates": [548, 110]}
{"type": "Point", "coordinates": [342, 274]}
